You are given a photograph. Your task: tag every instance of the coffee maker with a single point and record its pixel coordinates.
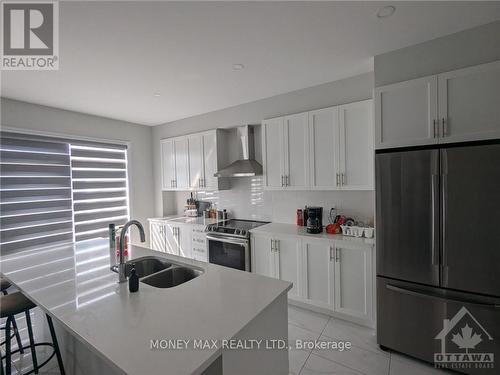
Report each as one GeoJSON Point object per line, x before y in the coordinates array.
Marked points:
{"type": "Point", "coordinates": [314, 219]}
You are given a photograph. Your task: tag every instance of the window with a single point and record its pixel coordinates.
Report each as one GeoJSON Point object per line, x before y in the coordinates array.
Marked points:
{"type": "Point", "coordinates": [54, 190]}
{"type": "Point", "coordinates": [99, 178]}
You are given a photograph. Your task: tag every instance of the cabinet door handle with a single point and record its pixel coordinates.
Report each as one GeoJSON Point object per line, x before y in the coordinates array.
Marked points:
{"type": "Point", "coordinates": [204, 182]}
{"type": "Point", "coordinates": [343, 178]}
{"type": "Point", "coordinates": [337, 255]}
{"type": "Point", "coordinates": [282, 183]}
{"type": "Point", "coordinates": [286, 180]}
{"type": "Point", "coordinates": [337, 179]}
{"type": "Point", "coordinates": [331, 253]}
{"type": "Point", "coordinates": [434, 128]}
{"type": "Point", "coordinates": [277, 246]}
{"type": "Point", "coordinates": [444, 129]}
{"type": "Point", "coordinates": [272, 246]}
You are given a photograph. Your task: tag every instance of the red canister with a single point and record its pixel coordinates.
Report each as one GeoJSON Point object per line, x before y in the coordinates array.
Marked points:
{"type": "Point", "coordinates": [300, 217]}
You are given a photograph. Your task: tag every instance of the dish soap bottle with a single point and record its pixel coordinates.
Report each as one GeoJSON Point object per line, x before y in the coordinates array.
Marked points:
{"type": "Point", "coordinates": [133, 280]}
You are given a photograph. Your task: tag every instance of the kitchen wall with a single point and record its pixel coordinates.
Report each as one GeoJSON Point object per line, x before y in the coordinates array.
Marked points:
{"type": "Point", "coordinates": [54, 121]}
{"type": "Point", "coordinates": [247, 199]}
{"type": "Point", "coordinates": [470, 47]}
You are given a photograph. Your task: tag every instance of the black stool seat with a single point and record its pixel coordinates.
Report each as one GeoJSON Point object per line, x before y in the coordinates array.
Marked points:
{"type": "Point", "coordinates": [4, 284]}
{"type": "Point", "coordinates": [14, 303]}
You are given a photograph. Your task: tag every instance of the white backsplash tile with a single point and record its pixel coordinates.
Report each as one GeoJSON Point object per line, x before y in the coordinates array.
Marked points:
{"type": "Point", "coordinates": [248, 200]}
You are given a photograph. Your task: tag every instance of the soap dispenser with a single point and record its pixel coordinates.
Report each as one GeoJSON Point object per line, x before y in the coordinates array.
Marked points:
{"type": "Point", "coordinates": [133, 280]}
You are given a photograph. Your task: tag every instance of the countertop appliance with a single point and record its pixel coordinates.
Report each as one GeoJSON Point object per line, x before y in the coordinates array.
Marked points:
{"type": "Point", "coordinates": [228, 243]}
{"type": "Point", "coordinates": [438, 251]}
{"type": "Point", "coordinates": [314, 220]}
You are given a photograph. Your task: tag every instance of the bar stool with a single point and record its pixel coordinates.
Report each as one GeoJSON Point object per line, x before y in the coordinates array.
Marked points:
{"type": "Point", "coordinates": [16, 303]}
{"type": "Point", "coordinates": [4, 285]}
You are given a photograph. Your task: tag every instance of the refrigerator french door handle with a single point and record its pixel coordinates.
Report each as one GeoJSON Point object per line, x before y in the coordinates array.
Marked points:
{"type": "Point", "coordinates": [444, 206]}
{"type": "Point", "coordinates": [435, 208]}
{"type": "Point", "coordinates": [439, 298]}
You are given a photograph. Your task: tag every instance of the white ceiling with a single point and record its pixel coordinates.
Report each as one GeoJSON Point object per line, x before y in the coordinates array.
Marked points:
{"type": "Point", "coordinates": [115, 55]}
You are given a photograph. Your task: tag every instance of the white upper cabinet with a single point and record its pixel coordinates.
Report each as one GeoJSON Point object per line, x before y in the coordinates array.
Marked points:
{"type": "Point", "coordinates": [209, 142]}
{"type": "Point", "coordinates": [356, 162]}
{"type": "Point", "coordinates": [181, 163]}
{"type": "Point", "coordinates": [406, 113]}
{"type": "Point", "coordinates": [456, 106]}
{"type": "Point", "coordinates": [296, 144]}
{"type": "Point", "coordinates": [324, 148]}
{"type": "Point", "coordinates": [469, 103]}
{"type": "Point", "coordinates": [195, 143]}
{"type": "Point", "coordinates": [273, 152]}
{"type": "Point", "coordinates": [190, 162]}
{"type": "Point", "coordinates": [168, 164]}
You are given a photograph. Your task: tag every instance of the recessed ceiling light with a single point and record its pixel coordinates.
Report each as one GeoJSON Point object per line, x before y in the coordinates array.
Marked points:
{"type": "Point", "coordinates": [386, 11]}
{"type": "Point", "coordinates": [156, 94]}
{"type": "Point", "coordinates": [238, 66]}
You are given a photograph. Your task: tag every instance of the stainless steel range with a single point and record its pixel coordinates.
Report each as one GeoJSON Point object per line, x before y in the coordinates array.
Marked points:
{"type": "Point", "coordinates": [228, 243]}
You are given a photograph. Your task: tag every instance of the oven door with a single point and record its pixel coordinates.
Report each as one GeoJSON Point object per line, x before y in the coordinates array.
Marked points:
{"type": "Point", "coordinates": [229, 252]}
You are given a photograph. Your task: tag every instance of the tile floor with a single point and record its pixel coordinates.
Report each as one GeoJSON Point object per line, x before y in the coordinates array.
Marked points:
{"type": "Point", "coordinates": [365, 357]}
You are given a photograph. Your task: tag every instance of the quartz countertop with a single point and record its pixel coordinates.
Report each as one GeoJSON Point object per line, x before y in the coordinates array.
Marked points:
{"type": "Point", "coordinates": [179, 219]}
{"type": "Point", "coordinates": [74, 285]}
{"type": "Point", "coordinates": [295, 230]}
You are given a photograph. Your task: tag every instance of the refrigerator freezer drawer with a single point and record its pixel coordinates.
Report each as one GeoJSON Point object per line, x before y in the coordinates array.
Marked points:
{"type": "Point", "coordinates": [411, 320]}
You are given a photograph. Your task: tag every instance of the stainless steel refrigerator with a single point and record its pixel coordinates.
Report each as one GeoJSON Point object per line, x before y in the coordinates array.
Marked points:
{"type": "Point", "coordinates": [438, 252]}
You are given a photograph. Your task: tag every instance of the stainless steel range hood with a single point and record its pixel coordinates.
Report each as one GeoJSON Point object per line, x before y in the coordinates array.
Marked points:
{"type": "Point", "coordinates": [247, 165]}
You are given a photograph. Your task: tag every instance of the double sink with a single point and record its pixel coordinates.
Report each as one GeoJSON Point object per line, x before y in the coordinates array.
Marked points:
{"type": "Point", "coordinates": [160, 272]}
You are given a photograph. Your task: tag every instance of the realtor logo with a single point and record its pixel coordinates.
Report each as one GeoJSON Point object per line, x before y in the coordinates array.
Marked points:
{"type": "Point", "coordinates": [30, 35]}
{"type": "Point", "coordinates": [463, 343]}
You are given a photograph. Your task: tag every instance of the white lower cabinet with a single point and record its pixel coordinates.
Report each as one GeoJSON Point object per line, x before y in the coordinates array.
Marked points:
{"type": "Point", "coordinates": [286, 261]}
{"type": "Point", "coordinates": [172, 245]}
{"type": "Point", "coordinates": [262, 255]}
{"type": "Point", "coordinates": [353, 280]}
{"type": "Point", "coordinates": [318, 286]}
{"type": "Point", "coordinates": [199, 243]}
{"type": "Point", "coordinates": [157, 235]}
{"type": "Point", "coordinates": [278, 257]}
{"type": "Point", "coordinates": [184, 240]}
{"type": "Point", "coordinates": [332, 276]}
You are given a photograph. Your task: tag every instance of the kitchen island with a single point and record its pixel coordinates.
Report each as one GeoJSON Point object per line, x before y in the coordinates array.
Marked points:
{"type": "Point", "coordinates": [140, 333]}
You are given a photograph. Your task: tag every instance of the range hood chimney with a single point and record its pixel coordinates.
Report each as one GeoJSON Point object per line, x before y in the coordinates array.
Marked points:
{"type": "Point", "coordinates": [247, 166]}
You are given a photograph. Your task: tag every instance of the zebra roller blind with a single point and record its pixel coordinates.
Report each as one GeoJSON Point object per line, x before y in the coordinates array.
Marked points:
{"type": "Point", "coordinates": [99, 176]}
{"type": "Point", "coordinates": [54, 190]}
{"type": "Point", "coordinates": [35, 197]}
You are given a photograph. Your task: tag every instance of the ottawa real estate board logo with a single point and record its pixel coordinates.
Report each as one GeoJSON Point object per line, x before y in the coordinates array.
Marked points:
{"type": "Point", "coordinates": [30, 35]}
{"type": "Point", "coordinates": [465, 344]}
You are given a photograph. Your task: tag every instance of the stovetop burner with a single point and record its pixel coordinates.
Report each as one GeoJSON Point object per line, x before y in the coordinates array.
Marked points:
{"type": "Point", "coordinates": [235, 227]}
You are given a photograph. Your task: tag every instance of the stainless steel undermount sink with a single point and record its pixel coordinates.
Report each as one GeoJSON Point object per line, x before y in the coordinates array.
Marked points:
{"type": "Point", "coordinates": [172, 277]}
{"type": "Point", "coordinates": [160, 272]}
